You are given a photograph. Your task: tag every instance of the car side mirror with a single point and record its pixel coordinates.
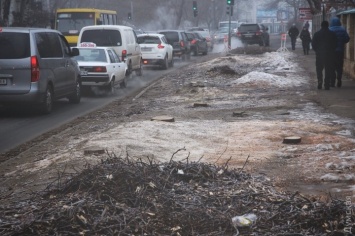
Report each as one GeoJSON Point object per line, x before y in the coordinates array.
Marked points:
{"type": "Point", "coordinates": [74, 52]}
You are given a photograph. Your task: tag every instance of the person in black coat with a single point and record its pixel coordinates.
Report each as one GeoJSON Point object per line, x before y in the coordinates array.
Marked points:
{"type": "Point", "coordinates": [293, 32]}
{"type": "Point", "coordinates": [305, 36]}
{"type": "Point", "coordinates": [324, 43]}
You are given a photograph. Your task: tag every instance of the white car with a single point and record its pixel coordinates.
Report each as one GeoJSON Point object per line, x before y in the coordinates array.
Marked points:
{"type": "Point", "coordinates": [156, 50]}
{"type": "Point", "coordinates": [101, 67]}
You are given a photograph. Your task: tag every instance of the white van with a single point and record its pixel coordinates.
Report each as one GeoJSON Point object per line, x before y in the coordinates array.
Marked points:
{"type": "Point", "coordinates": [121, 38]}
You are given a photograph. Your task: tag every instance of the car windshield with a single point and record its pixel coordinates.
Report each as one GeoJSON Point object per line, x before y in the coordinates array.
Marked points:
{"type": "Point", "coordinates": [223, 30]}
{"type": "Point", "coordinates": [102, 38]}
{"type": "Point", "coordinates": [191, 36]}
{"type": "Point", "coordinates": [171, 36]}
{"type": "Point", "coordinates": [204, 33]}
{"type": "Point", "coordinates": [148, 40]}
{"type": "Point", "coordinates": [89, 54]}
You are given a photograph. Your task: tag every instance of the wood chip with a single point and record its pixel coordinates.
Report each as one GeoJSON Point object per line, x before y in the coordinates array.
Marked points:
{"type": "Point", "coordinates": [94, 150]}
{"type": "Point", "coordinates": [163, 118]}
{"type": "Point", "coordinates": [200, 104]}
{"type": "Point", "coordinates": [292, 140]}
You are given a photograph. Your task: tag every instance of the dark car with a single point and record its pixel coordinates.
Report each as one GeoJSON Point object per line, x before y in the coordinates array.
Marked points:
{"type": "Point", "coordinates": [198, 44]}
{"type": "Point", "coordinates": [254, 34]}
{"type": "Point", "coordinates": [178, 39]}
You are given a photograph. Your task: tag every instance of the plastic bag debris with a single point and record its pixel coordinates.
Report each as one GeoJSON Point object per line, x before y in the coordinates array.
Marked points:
{"type": "Point", "coordinates": [244, 220]}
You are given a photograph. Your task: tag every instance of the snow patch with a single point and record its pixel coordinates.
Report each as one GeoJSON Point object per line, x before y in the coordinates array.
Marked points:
{"type": "Point", "coordinates": [257, 77]}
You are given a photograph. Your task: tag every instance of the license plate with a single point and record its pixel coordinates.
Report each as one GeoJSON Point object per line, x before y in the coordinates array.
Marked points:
{"type": "Point", "coordinates": [83, 72]}
{"type": "Point", "coordinates": [146, 49]}
{"type": "Point", "coordinates": [3, 81]}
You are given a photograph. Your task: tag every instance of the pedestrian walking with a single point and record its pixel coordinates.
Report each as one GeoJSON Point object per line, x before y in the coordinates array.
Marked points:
{"type": "Point", "coordinates": [305, 36]}
{"type": "Point", "coordinates": [293, 32]}
{"type": "Point", "coordinates": [306, 25]}
{"type": "Point", "coordinates": [324, 43]}
{"type": "Point", "coordinates": [343, 38]}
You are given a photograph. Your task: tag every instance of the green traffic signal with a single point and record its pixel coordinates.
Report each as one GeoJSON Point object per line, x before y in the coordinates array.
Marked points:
{"type": "Point", "coordinates": [194, 5]}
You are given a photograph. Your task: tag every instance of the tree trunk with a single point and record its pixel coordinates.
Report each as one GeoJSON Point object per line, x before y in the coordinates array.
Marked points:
{"type": "Point", "coordinates": [179, 13]}
{"type": "Point", "coordinates": [12, 10]}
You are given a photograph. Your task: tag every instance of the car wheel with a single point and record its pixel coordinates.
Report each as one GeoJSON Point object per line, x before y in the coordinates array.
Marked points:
{"type": "Point", "coordinates": [172, 62]}
{"type": "Point", "coordinates": [76, 96]}
{"type": "Point", "coordinates": [206, 51]}
{"type": "Point", "coordinates": [165, 63]}
{"type": "Point", "coordinates": [267, 43]}
{"type": "Point", "coordinates": [47, 104]}
{"type": "Point", "coordinates": [110, 88]}
{"type": "Point", "coordinates": [129, 69]}
{"type": "Point", "coordinates": [261, 43]}
{"type": "Point", "coordinates": [139, 72]}
{"type": "Point", "coordinates": [123, 84]}
{"type": "Point", "coordinates": [188, 55]}
{"type": "Point", "coordinates": [196, 51]}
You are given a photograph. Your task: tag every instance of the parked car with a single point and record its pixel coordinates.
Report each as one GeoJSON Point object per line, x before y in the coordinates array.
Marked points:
{"type": "Point", "coordinates": [36, 67]}
{"type": "Point", "coordinates": [121, 38]}
{"type": "Point", "coordinates": [156, 50]}
{"type": "Point", "coordinates": [198, 44]}
{"type": "Point", "coordinates": [254, 34]}
{"type": "Point", "coordinates": [101, 67]}
{"type": "Point", "coordinates": [221, 35]}
{"type": "Point", "coordinates": [178, 39]}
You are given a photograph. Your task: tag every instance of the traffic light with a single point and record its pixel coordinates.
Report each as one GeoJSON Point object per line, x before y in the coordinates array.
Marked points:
{"type": "Point", "coordinates": [230, 2]}
{"type": "Point", "coordinates": [230, 10]}
{"type": "Point", "coordinates": [194, 8]}
{"type": "Point", "coordinates": [129, 16]}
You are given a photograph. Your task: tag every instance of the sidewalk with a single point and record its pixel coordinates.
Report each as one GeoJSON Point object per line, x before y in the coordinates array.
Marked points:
{"type": "Point", "coordinates": [340, 101]}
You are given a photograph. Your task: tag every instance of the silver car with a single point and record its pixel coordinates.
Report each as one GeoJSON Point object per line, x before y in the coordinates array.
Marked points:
{"type": "Point", "coordinates": [36, 67]}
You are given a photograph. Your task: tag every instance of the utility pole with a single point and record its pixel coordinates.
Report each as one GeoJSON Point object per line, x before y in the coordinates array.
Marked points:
{"type": "Point", "coordinates": [323, 10]}
{"type": "Point", "coordinates": [230, 5]}
{"type": "Point", "coordinates": [214, 15]}
{"type": "Point", "coordinates": [132, 14]}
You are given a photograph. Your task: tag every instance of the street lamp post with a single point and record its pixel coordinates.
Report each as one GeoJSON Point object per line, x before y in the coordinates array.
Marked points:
{"type": "Point", "coordinates": [323, 10]}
